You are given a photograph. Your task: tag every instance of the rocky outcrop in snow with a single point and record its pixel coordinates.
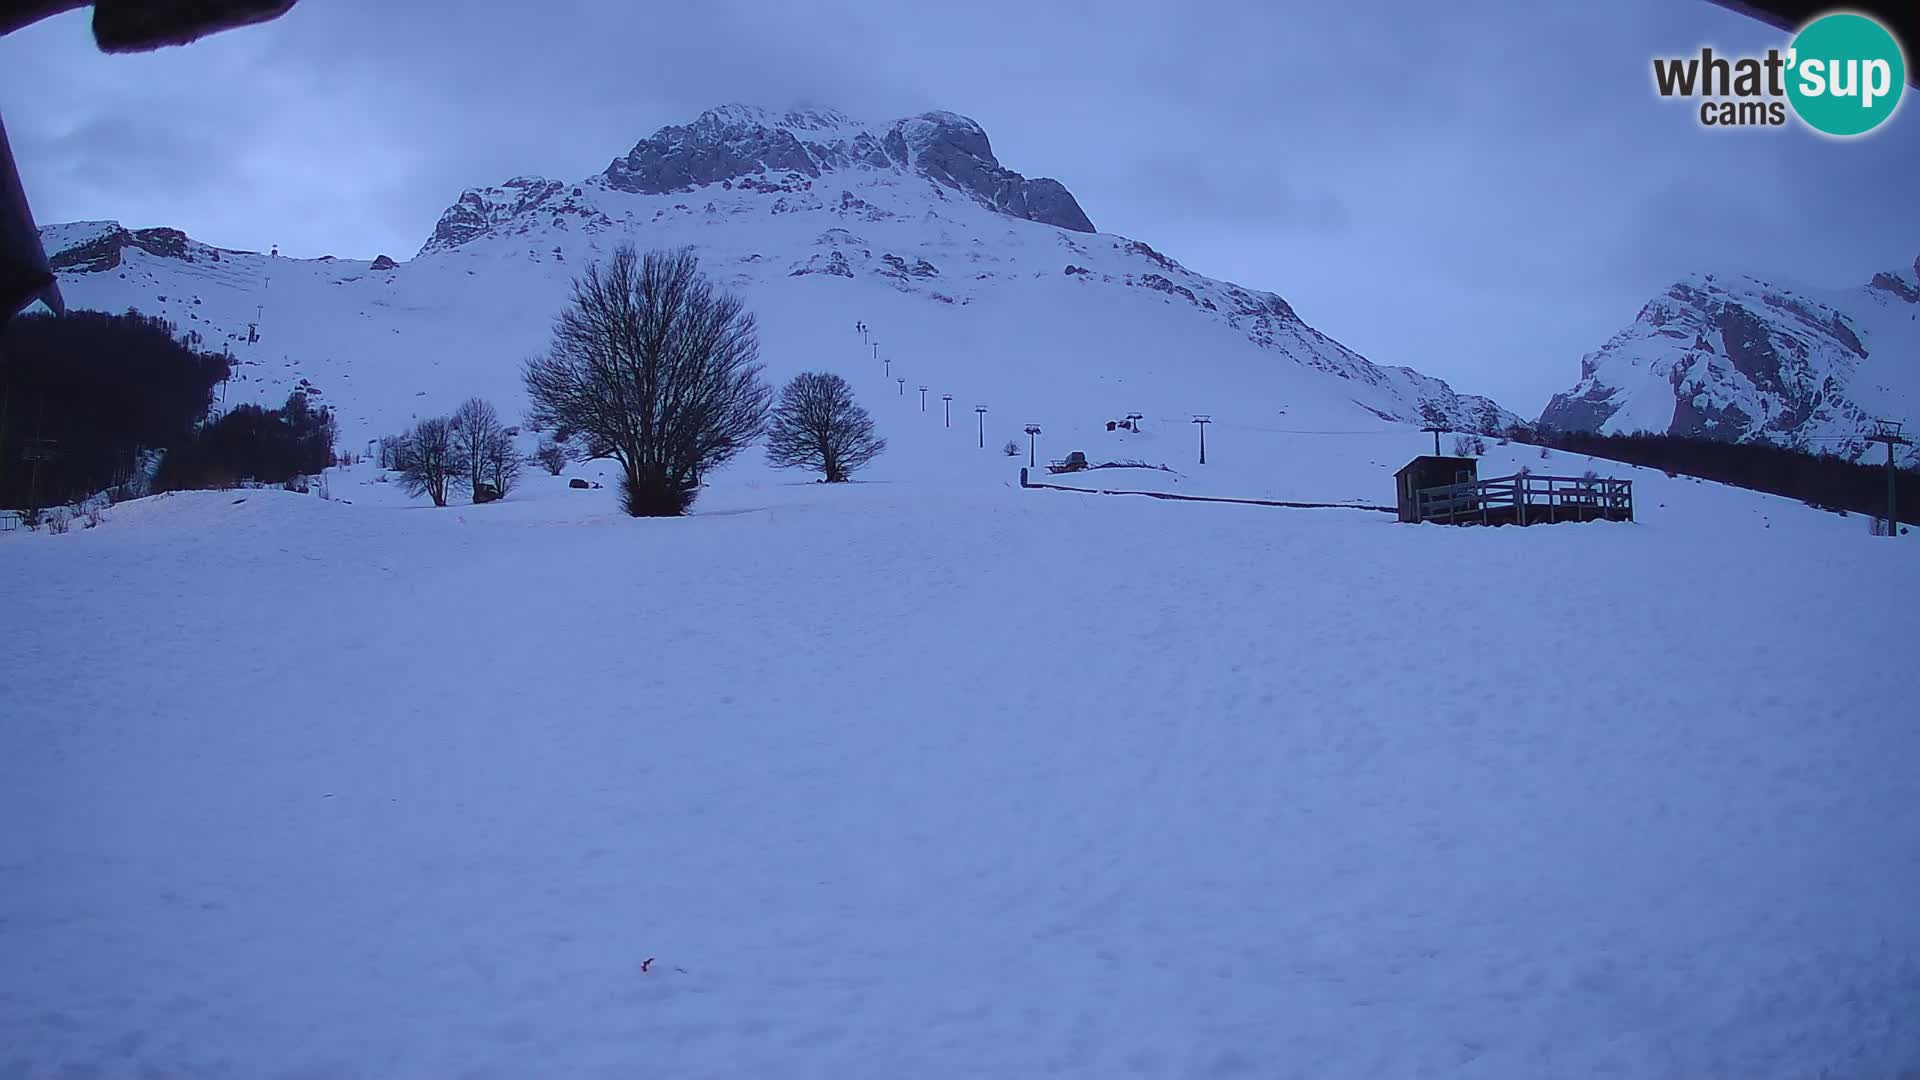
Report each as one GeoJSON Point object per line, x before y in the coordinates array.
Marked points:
{"type": "Point", "coordinates": [92, 247]}
{"type": "Point", "coordinates": [478, 210]}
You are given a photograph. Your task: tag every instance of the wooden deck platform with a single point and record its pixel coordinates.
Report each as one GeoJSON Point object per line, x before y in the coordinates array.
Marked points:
{"type": "Point", "coordinates": [1526, 499]}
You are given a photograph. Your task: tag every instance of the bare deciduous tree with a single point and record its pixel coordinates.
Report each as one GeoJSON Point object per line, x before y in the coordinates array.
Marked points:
{"type": "Point", "coordinates": [552, 456]}
{"type": "Point", "coordinates": [817, 425]}
{"type": "Point", "coordinates": [475, 427]}
{"type": "Point", "coordinates": [651, 366]}
{"type": "Point", "coordinates": [393, 451]}
{"type": "Point", "coordinates": [501, 464]}
{"type": "Point", "coordinates": [430, 462]}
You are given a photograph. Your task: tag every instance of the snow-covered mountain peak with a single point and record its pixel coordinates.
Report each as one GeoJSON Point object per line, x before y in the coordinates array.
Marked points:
{"type": "Point", "coordinates": [1739, 358]}
{"type": "Point", "coordinates": [479, 210]}
{"type": "Point", "coordinates": [1900, 284]}
{"type": "Point", "coordinates": [803, 119]}
{"type": "Point", "coordinates": [740, 142]}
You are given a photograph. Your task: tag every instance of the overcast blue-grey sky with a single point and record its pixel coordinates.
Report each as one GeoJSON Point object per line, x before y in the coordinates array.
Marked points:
{"type": "Point", "coordinates": [1482, 190]}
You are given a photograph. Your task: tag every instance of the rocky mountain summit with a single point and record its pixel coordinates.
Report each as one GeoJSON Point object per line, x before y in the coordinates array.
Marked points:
{"type": "Point", "coordinates": [739, 142]}
{"type": "Point", "coordinates": [754, 148]}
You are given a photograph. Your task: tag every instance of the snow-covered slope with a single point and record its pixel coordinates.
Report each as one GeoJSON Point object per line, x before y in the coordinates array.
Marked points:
{"type": "Point", "coordinates": [979, 282]}
{"type": "Point", "coordinates": [894, 780]}
{"type": "Point", "coordinates": [1741, 359]}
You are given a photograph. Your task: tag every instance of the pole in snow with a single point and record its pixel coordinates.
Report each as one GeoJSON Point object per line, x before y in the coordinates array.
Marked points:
{"type": "Point", "coordinates": [1032, 430]}
{"type": "Point", "coordinates": [948, 398]}
{"type": "Point", "coordinates": [923, 399]}
{"type": "Point", "coordinates": [902, 380]}
{"type": "Point", "coordinates": [1203, 421]}
{"type": "Point", "coordinates": [982, 411]}
{"type": "Point", "coordinates": [888, 368]}
{"type": "Point", "coordinates": [1436, 429]}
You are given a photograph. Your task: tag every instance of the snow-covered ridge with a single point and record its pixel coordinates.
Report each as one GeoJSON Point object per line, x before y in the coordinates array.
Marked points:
{"type": "Point", "coordinates": [744, 143]}
{"type": "Point", "coordinates": [1742, 359]}
{"type": "Point", "coordinates": [1035, 317]}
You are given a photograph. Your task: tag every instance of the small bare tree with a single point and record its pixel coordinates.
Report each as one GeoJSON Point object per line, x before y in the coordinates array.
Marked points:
{"type": "Point", "coordinates": [817, 425]}
{"type": "Point", "coordinates": [430, 461]}
{"type": "Point", "coordinates": [552, 457]}
{"type": "Point", "coordinates": [501, 464]}
{"type": "Point", "coordinates": [653, 367]}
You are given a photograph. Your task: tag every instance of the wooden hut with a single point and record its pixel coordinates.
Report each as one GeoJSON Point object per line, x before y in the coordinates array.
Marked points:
{"type": "Point", "coordinates": [1427, 471]}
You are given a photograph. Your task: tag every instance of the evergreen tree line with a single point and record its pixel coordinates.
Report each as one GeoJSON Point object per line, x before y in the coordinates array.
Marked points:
{"type": "Point", "coordinates": [87, 398]}
{"type": "Point", "coordinates": [248, 442]}
{"type": "Point", "coordinates": [1820, 480]}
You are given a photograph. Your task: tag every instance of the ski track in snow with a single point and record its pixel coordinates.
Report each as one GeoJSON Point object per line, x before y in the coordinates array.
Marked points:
{"type": "Point", "coordinates": [898, 781]}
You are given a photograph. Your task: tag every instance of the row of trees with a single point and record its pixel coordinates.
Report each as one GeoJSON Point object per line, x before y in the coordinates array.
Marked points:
{"type": "Point", "coordinates": [248, 442]}
{"type": "Point", "coordinates": [652, 367]}
{"type": "Point", "coordinates": [471, 445]}
{"type": "Point", "coordinates": [649, 365]}
{"type": "Point", "coordinates": [1822, 480]}
{"type": "Point", "coordinates": [86, 399]}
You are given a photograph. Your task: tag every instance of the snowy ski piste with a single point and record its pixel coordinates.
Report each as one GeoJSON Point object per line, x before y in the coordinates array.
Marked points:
{"type": "Point", "coordinates": [929, 775]}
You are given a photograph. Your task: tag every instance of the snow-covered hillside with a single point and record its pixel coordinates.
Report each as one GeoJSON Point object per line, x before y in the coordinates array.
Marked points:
{"type": "Point", "coordinates": [980, 283]}
{"type": "Point", "coordinates": [1741, 359]}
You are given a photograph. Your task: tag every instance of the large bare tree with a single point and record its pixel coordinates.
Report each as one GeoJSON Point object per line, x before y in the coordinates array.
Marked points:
{"type": "Point", "coordinates": [653, 367]}
{"type": "Point", "coordinates": [817, 425]}
{"type": "Point", "coordinates": [430, 462]}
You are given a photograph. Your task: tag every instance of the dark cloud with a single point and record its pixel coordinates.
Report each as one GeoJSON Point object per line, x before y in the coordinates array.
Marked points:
{"type": "Point", "coordinates": [1485, 190]}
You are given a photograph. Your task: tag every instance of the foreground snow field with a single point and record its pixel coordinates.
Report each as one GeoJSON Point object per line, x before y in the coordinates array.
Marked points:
{"type": "Point", "coordinates": [895, 780]}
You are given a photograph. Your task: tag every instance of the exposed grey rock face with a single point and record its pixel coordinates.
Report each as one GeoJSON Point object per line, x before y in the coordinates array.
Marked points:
{"type": "Point", "coordinates": [480, 209]}
{"type": "Point", "coordinates": [954, 150]}
{"type": "Point", "coordinates": [737, 142]}
{"type": "Point", "coordinates": [383, 262]}
{"type": "Point", "coordinates": [707, 151]}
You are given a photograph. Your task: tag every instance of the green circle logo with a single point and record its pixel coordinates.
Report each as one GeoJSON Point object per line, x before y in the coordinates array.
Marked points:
{"type": "Point", "coordinates": [1845, 73]}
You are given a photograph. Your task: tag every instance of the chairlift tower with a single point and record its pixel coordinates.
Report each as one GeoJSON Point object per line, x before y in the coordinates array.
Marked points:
{"type": "Point", "coordinates": [1889, 432]}
{"type": "Point", "coordinates": [1203, 420]}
